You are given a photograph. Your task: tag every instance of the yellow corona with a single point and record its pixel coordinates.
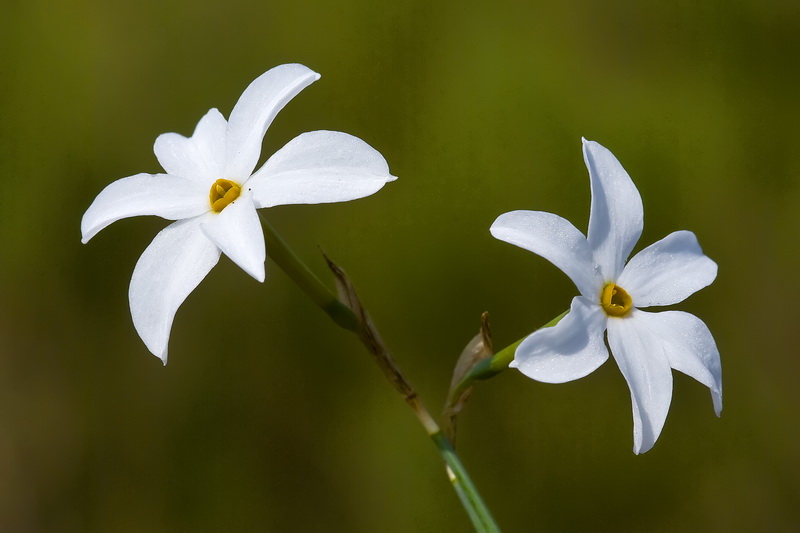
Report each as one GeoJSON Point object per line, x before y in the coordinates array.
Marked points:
{"type": "Point", "coordinates": [615, 300]}
{"type": "Point", "coordinates": [223, 192]}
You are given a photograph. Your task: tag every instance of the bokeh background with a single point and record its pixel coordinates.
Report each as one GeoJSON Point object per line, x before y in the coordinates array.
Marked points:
{"type": "Point", "coordinates": [268, 417]}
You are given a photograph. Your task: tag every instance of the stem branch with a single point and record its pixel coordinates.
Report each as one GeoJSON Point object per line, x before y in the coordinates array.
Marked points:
{"type": "Point", "coordinates": [347, 312]}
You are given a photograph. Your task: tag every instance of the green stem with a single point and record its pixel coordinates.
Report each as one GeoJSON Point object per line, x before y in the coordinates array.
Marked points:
{"type": "Point", "coordinates": [498, 362]}
{"type": "Point", "coordinates": [478, 513]}
{"type": "Point", "coordinates": [319, 293]}
{"type": "Point", "coordinates": [343, 316]}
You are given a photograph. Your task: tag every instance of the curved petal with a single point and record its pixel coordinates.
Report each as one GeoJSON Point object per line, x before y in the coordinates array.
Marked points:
{"type": "Point", "coordinates": [643, 363]}
{"type": "Point", "coordinates": [162, 195]}
{"type": "Point", "coordinates": [169, 269]}
{"type": "Point", "coordinates": [319, 167]}
{"type": "Point", "coordinates": [555, 239]}
{"type": "Point", "coordinates": [689, 347]}
{"type": "Point", "coordinates": [668, 271]}
{"type": "Point", "coordinates": [571, 349]}
{"type": "Point", "coordinates": [237, 232]}
{"type": "Point", "coordinates": [200, 157]}
{"type": "Point", "coordinates": [617, 217]}
{"type": "Point", "coordinates": [254, 112]}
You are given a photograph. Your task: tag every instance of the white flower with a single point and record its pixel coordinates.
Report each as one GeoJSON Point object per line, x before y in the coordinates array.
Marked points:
{"type": "Point", "coordinates": [645, 345]}
{"type": "Point", "coordinates": [210, 189]}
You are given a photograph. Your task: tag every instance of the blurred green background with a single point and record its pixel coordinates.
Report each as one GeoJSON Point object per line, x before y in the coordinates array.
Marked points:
{"type": "Point", "coordinates": [269, 418]}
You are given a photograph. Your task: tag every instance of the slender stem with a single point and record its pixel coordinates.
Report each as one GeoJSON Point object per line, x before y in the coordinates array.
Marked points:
{"type": "Point", "coordinates": [503, 358]}
{"type": "Point", "coordinates": [319, 293]}
{"type": "Point", "coordinates": [498, 362]}
{"type": "Point", "coordinates": [478, 512]}
{"type": "Point", "coordinates": [345, 316]}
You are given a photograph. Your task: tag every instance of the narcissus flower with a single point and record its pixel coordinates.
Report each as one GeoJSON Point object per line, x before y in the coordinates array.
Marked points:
{"type": "Point", "coordinates": [645, 345]}
{"type": "Point", "coordinates": [211, 191]}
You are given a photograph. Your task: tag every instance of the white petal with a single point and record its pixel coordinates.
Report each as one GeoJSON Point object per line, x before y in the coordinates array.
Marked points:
{"type": "Point", "coordinates": [617, 217]}
{"type": "Point", "coordinates": [200, 157]}
{"type": "Point", "coordinates": [162, 195]}
{"type": "Point", "coordinates": [320, 167]}
{"type": "Point", "coordinates": [237, 232]}
{"type": "Point", "coordinates": [569, 350]}
{"type": "Point", "coordinates": [688, 346]}
{"type": "Point", "coordinates": [644, 365]}
{"type": "Point", "coordinates": [254, 112]}
{"type": "Point", "coordinates": [169, 269]}
{"type": "Point", "coordinates": [555, 239]}
{"type": "Point", "coordinates": [668, 271]}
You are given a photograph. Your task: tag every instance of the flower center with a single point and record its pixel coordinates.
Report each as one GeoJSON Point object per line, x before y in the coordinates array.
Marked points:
{"type": "Point", "coordinates": [615, 301]}
{"type": "Point", "coordinates": [223, 192]}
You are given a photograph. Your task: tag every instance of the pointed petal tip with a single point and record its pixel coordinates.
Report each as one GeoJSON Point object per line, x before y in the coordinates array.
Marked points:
{"type": "Point", "coordinates": [156, 347]}
{"type": "Point", "coordinates": [502, 223]}
{"type": "Point", "coordinates": [640, 447]}
{"type": "Point", "coordinates": [668, 271]}
{"type": "Point", "coordinates": [169, 269]}
{"type": "Point", "coordinates": [555, 239]}
{"type": "Point", "coordinates": [88, 230]}
{"type": "Point", "coordinates": [259, 275]}
{"type": "Point", "coordinates": [296, 66]}
{"type": "Point", "coordinates": [316, 75]}
{"type": "Point", "coordinates": [320, 167]}
{"type": "Point", "coordinates": [237, 233]}
{"type": "Point", "coordinates": [593, 149]}
{"type": "Point", "coordinates": [255, 110]}
{"type": "Point", "coordinates": [254, 270]}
